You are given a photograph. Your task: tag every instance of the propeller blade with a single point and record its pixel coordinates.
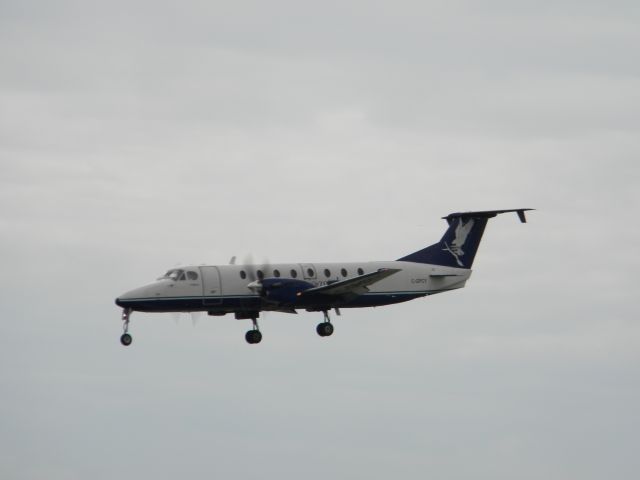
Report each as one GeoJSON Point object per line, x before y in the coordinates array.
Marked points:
{"type": "Point", "coordinates": [266, 269]}
{"type": "Point", "coordinates": [195, 317]}
{"type": "Point", "coordinates": [250, 268]}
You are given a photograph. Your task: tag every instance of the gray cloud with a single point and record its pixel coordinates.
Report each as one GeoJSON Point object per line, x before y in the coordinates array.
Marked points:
{"type": "Point", "coordinates": [135, 136]}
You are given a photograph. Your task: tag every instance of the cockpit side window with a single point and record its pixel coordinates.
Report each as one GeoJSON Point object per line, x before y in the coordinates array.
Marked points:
{"type": "Point", "coordinates": [182, 276]}
{"type": "Point", "coordinates": [174, 275]}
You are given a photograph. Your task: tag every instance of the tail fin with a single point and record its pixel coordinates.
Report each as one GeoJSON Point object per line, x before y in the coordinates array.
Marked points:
{"type": "Point", "coordinates": [458, 246]}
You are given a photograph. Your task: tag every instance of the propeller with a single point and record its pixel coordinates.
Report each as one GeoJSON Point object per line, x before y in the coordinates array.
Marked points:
{"type": "Point", "coordinates": [195, 317]}
{"type": "Point", "coordinates": [255, 274]}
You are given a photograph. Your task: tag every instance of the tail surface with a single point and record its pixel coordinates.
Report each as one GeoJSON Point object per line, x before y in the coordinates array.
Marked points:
{"type": "Point", "coordinates": [458, 246]}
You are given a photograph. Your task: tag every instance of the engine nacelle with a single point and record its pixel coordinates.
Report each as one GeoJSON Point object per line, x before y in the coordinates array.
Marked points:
{"type": "Point", "coordinates": [283, 290]}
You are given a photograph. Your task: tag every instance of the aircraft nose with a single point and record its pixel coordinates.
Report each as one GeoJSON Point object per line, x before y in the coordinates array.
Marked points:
{"type": "Point", "coordinates": [132, 298]}
{"type": "Point", "coordinates": [121, 300]}
{"type": "Point", "coordinates": [124, 299]}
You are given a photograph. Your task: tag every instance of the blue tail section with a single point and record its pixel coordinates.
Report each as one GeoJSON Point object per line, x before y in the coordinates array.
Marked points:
{"type": "Point", "coordinates": [458, 247]}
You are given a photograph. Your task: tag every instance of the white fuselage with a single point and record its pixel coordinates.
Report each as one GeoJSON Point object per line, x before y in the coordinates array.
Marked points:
{"type": "Point", "coordinates": [225, 288]}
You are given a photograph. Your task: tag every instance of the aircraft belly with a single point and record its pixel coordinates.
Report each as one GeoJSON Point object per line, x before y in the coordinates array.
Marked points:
{"type": "Point", "coordinates": [378, 300]}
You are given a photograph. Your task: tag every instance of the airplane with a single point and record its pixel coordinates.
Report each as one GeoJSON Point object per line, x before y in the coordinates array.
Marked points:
{"type": "Point", "coordinates": [247, 290]}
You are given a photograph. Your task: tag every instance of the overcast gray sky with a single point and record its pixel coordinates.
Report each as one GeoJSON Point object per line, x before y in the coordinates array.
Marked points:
{"type": "Point", "coordinates": [136, 135]}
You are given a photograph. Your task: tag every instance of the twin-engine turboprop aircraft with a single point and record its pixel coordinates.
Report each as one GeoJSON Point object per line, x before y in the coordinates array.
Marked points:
{"type": "Point", "coordinates": [246, 290]}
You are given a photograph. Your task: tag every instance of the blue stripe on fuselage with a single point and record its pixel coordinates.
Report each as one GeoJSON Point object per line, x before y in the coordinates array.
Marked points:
{"type": "Point", "coordinates": [254, 302]}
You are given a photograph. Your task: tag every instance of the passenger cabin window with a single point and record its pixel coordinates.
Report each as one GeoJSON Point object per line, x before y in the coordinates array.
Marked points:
{"type": "Point", "coordinates": [243, 274]}
{"type": "Point", "coordinates": [343, 272]}
{"type": "Point", "coordinates": [327, 272]}
{"type": "Point", "coordinates": [276, 273]}
{"type": "Point", "coordinates": [192, 275]}
{"type": "Point", "coordinates": [360, 271]}
{"type": "Point", "coordinates": [310, 272]}
{"type": "Point", "coordinates": [294, 274]}
{"type": "Point", "coordinates": [260, 274]}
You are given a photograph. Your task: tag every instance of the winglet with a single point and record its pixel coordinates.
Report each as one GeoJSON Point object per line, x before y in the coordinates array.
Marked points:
{"type": "Point", "coordinates": [521, 216]}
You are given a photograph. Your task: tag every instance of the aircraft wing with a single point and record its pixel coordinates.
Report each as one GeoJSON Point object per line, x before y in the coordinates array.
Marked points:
{"type": "Point", "coordinates": [352, 286]}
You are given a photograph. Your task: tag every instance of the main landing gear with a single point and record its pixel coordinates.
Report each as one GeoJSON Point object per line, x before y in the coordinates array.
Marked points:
{"type": "Point", "coordinates": [325, 329]}
{"type": "Point", "coordinates": [126, 339]}
{"type": "Point", "coordinates": [254, 335]}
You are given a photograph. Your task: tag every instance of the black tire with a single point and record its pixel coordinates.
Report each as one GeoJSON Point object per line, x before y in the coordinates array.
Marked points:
{"type": "Point", "coordinates": [324, 329]}
{"type": "Point", "coordinates": [253, 336]}
{"type": "Point", "coordinates": [328, 329]}
{"type": "Point", "coordinates": [126, 339]}
{"type": "Point", "coordinates": [320, 329]}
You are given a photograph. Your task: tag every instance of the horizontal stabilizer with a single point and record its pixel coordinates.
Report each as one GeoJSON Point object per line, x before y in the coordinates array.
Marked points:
{"type": "Point", "coordinates": [488, 214]}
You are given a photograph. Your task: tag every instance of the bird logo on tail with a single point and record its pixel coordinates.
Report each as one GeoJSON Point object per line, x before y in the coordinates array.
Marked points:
{"type": "Point", "coordinates": [462, 232]}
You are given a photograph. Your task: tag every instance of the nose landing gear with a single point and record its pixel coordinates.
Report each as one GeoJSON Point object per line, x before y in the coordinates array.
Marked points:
{"type": "Point", "coordinates": [126, 339]}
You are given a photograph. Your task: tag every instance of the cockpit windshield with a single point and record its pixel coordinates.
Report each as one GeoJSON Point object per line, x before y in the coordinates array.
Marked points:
{"type": "Point", "coordinates": [177, 274]}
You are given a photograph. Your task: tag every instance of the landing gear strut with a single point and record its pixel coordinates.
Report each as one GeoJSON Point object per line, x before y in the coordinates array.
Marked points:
{"type": "Point", "coordinates": [253, 335]}
{"type": "Point", "coordinates": [325, 329]}
{"type": "Point", "coordinates": [126, 339]}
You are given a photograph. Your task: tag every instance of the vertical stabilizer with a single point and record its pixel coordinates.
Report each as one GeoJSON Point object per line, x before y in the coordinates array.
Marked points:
{"type": "Point", "coordinates": [459, 245]}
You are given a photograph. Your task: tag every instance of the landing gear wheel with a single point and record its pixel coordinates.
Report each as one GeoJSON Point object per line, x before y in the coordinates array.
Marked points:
{"type": "Point", "coordinates": [126, 339]}
{"type": "Point", "coordinates": [253, 336]}
{"type": "Point", "coordinates": [324, 329]}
